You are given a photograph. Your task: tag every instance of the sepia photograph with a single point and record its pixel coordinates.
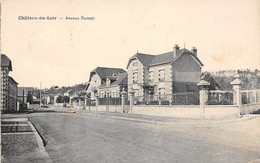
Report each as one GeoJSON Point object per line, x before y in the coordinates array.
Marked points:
{"type": "Point", "coordinates": [130, 81]}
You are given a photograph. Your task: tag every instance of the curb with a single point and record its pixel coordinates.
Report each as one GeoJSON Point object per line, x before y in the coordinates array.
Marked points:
{"type": "Point", "coordinates": [40, 143]}
{"type": "Point", "coordinates": [172, 123]}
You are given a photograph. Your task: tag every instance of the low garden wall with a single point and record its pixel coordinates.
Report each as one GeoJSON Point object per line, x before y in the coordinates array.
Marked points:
{"type": "Point", "coordinates": [221, 111]}
{"type": "Point", "coordinates": [249, 108]}
{"type": "Point", "coordinates": [179, 111]}
{"type": "Point", "coordinates": [104, 108]}
{"type": "Point", "coordinates": [188, 111]}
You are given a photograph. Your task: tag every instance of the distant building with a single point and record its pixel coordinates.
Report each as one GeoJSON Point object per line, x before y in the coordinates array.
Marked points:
{"type": "Point", "coordinates": [56, 96]}
{"type": "Point", "coordinates": [176, 71]}
{"type": "Point", "coordinates": [99, 77]}
{"type": "Point", "coordinates": [12, 94]}
{"type": "Point", "coordinates": [67, 93]}
{"type": "Point", "coordinates": [23, 93]}
{"type": "Point", "coordinates": [8, 86]}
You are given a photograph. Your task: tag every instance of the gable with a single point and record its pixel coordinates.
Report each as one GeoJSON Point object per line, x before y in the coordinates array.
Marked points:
{"type": "Point", "coordinates": [144, 59]}
{"type": "Point", "coordinates": [187, 62]}
{"type": "Point", "coordinates": [6, 62]}
{"type": "Point", "coordinates": [103, 72]}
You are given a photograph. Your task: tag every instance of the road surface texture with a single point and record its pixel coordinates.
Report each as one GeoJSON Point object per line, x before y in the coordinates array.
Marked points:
{"type": "Point", "coordinates": [72, 137]}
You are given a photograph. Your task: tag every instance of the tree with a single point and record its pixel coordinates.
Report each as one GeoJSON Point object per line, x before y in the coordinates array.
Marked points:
{"type": "Point", "coordinates": [82, 95]}
{"type": "Point", "coordinates": [59, 99]}
{"type": "Point", "coordinates": [30, 97]}
{"type": "Point", "coordinates": [65, 99]}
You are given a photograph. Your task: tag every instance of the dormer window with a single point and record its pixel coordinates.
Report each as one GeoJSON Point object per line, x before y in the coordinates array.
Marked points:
{"type": "Point", "coordinates": [108, 82]}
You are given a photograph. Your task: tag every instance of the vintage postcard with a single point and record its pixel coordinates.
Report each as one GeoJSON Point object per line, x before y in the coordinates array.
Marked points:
{"type": "Point", "coordinates": [130, 81]}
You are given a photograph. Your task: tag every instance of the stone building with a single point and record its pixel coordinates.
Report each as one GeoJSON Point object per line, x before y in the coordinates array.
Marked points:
{"type": "Point", "coordinates": [113, 86]}
{"type": "Point", "coordinates": [164, 74]}
{"type": "Point", "coordinates": [8, 85]}
{"type": "Point", "coordinates": [98, 77]}
{"type": "Point", "coordinates": [12, 94]}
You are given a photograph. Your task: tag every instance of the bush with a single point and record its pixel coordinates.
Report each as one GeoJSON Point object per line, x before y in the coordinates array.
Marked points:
{"type": "Point", "coordinates": [143, 103]}
{"type": "Point", "coordinates": [166, 102]}
{"type": "Point", "coordinates": [222, 102]}
{"type": "Point", "coordinates": [76, 99]}
{"type": "Point", "coordinates": [244, 100]}
{"type": "Point", "coordinates": [213, 102]}
{"type": "Point", "coordinates": [59, 99]}
{"type": "Point", "coordinates": [153, 103]}
{"type": "Point", "coordinates": [226, 102]}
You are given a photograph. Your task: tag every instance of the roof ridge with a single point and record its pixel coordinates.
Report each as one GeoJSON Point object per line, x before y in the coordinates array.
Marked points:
{"type": "Point", "coordinates": [109, 67]}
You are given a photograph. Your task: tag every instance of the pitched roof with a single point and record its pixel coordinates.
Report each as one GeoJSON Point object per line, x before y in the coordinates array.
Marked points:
{"type": "Point", "coordinates": [150, 60]}
{"type": "Point", "coordinates": [112, 77]}
{"type": "Point", "coordinates": [6, 62]}
{"type": "Point", "coordinates": [103, 72]}
{"type": "Point", "coordinates": [26, 90]}
{"type": "Point", "coordinates": [12, 79]}
{"type": "Point", "coordinates": [145, 59]}
{"type": "Point", "coordinates": [68, 91]}
{"type": "Point", "coordinates": [162, 58]}
{"type": "Point", "coordinates": [121, 79]}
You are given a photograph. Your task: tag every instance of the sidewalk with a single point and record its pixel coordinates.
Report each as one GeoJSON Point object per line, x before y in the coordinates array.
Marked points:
{"type": "Point", "coordinates": [148, 118]}
{"type": "Point", "coordinates": [20, 143]}
{"type": "Point", "coordinates": [162, 120]}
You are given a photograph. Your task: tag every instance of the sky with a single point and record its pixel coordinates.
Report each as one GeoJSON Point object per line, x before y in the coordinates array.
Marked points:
{"type": "Point", "coordinates": [63, 52]}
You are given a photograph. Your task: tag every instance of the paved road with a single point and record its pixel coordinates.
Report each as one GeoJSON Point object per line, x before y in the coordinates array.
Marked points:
{"type": "Point", "coordinates": [74, 137]}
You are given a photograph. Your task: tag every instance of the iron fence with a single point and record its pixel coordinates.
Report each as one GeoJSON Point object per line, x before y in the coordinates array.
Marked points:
{"type": "Point", "coordinates": [91, 103]}
{"type": "Point", "coordinates": [250, 96]}
{"type": "Point", "coordinates": [110, 101]}
{"type": "Point", "coordinates": [217, 97]}
{"type": "Point", "coordinates": [187, 98]}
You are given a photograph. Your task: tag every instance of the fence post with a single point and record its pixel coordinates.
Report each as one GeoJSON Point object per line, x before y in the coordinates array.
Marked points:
{"type": "Point", "coordinates": [123, 99]}
{"type": "Point", "coordinates": [28, 105]}
{"type": "Point", "coordinates": [97, 102]}
{"type": "Point", "coordinates": [131, 101]}
{"type": "Point", "coordinates": [18, 105]}
{"type": "Point", "coordinates": [237, 88]}
{"type": "Point", "coordinates": [203, 86]}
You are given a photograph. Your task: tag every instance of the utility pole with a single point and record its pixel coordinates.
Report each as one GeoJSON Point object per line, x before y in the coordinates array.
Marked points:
{"type": "Point", "coordinates": [40, 94]}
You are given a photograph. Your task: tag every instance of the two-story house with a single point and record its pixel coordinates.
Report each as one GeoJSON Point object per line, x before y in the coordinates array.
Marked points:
{"type": "Point", "coordinates": [113, 86]}
{"type": "Point", "coordinates": [164, 74]}
{"type": "Point", "coordinates": [98, 77]}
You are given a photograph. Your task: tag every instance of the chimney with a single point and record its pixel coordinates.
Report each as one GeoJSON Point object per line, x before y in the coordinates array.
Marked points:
{"type": "Point", "coordinates": [194, 51]}
{"type": "Point", "coordinates": [175, 50]}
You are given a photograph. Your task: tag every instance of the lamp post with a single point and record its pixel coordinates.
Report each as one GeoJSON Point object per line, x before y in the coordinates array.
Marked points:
{"type": "Point", "coordinates": [40, 94]}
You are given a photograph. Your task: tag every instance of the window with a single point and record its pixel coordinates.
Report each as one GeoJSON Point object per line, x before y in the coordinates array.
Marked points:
{"type": "Point", "coordinates": [135, 77]}
{"type": "Point", "coordinates": [151, 76]}
{"type": "Point", "coordinates": [161, 93]}
{"type": "Point", "coordinates": [136, 92]}
{"type": "Point", "coordinates": [113, 94]}
{"type": "Point", "coordinates": [135, 66]}
{"type": "Point", "coordinates": [161, 75]}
